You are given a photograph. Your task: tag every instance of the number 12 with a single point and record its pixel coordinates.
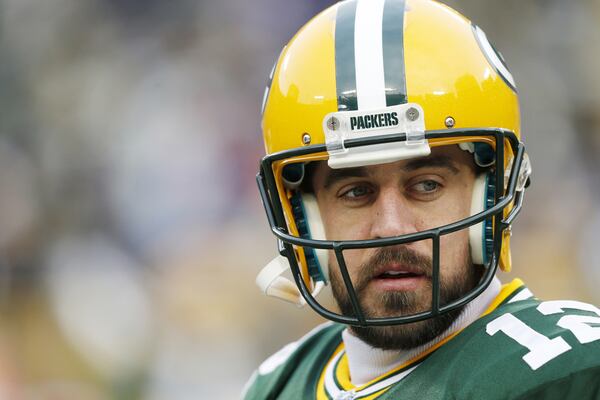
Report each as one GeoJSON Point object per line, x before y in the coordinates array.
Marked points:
{"type": "Point", "coordinates": [541, 348]}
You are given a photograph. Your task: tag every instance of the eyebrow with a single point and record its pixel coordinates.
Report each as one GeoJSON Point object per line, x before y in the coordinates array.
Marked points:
{"type": "Point", "coordinates": [439, 161]}
{"type": "Point", "coordinates": [336, 175]}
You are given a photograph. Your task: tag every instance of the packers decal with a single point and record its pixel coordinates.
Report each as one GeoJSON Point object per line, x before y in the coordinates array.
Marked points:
{"type": "Point", "coordinates": [371, 121]}
{"type": "Point", "coordinates": [494, 57]}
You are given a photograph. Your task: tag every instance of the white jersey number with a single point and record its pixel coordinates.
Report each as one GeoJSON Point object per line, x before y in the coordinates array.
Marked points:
{"type": "Point", "coordinates": [578, 324]}
{"type": "Point", "coordinates": [541, 348]}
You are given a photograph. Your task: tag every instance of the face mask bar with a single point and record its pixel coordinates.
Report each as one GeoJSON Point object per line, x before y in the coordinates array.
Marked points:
{"type": "Point", "coordinates": [269, 194]}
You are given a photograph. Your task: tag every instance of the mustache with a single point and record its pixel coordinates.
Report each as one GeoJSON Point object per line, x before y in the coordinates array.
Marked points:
{"type": "Point", "coordinates": [394, 254]}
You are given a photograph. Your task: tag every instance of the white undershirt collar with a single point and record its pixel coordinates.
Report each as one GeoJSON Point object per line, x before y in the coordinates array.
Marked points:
{"type": "Point", "coordinates": [367, 363]}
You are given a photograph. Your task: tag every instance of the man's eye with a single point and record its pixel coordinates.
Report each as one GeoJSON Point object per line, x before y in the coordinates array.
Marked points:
{"type": "Point", "coordinates": [356, 192]}
{"type": "Point", "coordinates": [427, 186]}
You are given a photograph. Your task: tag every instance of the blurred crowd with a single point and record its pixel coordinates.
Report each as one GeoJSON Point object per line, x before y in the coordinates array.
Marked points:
{"type": "Point", "coordinates": [130, 227]}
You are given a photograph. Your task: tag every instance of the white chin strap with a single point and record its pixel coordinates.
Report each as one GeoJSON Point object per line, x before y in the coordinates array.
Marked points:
{"type": "Point", "coordinates": [271, 283]}
{"type": "Point", "coordinates": [270, 279]}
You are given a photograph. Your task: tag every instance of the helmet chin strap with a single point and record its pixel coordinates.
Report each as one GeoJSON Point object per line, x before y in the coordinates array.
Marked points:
{"type": "Point", "coordinates": [270, 279]}
{"type": "Point", "coordinates": [272, 283]}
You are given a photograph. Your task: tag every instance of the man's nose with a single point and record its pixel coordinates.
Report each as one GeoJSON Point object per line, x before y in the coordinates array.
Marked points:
{"type": "Point", "coordinates": [393, 215]}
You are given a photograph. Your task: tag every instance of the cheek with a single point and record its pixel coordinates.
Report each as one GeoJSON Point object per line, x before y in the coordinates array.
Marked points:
{"type": "Point", "coordinates": [454, 251]}
{"type": "Point", "coordinates": [353, 260]}
{"type": "Point", "coordinates": [452, 208]}
{"type": "Point", "coordinates": [455, 246]}
{"type": "Point", "coordinates": [341, 226]}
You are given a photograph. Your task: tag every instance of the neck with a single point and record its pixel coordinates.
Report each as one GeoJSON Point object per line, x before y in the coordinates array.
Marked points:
{"type": "Point", "coordinates": [367, 363]}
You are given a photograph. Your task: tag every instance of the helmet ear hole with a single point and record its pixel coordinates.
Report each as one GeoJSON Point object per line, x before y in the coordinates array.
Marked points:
{"type": "Point", "coordinates": [310, 226]}
{"type": "Point", "coordinates": [481, 235]}
{"type": "Point", "coordinates": [293, 175]}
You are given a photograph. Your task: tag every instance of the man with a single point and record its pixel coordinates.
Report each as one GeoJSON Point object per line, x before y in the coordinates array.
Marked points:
{"type": "Point", "coordinates": [394, 171]}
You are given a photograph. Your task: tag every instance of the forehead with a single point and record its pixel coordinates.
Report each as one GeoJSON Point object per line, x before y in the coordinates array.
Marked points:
{"type": "Point", "coordinates": [450, 158]}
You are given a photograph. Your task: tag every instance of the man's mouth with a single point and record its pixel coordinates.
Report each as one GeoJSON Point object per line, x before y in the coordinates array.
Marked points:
{"type": "Point", "coordinates": [397, 275]}
{"type": "Point", "coordinates": [399, 278]}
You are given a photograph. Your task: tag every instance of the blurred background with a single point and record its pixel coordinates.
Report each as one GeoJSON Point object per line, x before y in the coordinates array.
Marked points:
{"type": "Point", "coordinates": [130, 225]}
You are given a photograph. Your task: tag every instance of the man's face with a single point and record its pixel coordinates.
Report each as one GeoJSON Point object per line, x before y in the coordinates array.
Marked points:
{"type": "Point", "coordinates": [391, 200]}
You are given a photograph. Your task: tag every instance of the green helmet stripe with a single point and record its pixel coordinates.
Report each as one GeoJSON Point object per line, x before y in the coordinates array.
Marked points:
{"type": "Point", "coordinates": [345, 70]}
{"type": "Point", "coordinates": [393, 52]}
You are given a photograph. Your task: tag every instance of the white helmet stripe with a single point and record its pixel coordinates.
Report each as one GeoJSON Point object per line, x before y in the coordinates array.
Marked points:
{"type": "Point", "coordinates": [368, 55]}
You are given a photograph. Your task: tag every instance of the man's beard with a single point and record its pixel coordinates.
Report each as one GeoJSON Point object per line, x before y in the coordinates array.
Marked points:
{"type": "Point", "coordinates": [388, 303]}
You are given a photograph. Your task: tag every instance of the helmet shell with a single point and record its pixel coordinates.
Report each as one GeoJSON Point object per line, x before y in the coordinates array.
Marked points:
{"type": "Point", "coordinates": [442, 65]}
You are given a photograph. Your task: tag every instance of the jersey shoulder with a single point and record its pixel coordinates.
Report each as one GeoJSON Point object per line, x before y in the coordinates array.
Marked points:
{"type": "Point", "coordinates": [293, 371]}
{"type": "Point", "coordinates": [525, 348]}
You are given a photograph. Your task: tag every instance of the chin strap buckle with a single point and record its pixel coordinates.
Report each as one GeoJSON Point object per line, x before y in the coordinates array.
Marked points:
{"type": "Point", "coordinates": [271, 283]}
{"type": "Point", "coordinates": [522, 175]}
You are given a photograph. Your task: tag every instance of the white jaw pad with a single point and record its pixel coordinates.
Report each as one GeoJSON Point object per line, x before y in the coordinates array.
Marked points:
{"type": "Point", "coordinates": [316, 228]}
{"type": "Point", "coordinates": [476, 231]}
{"type": "Point", "coordinates": [346, 125]}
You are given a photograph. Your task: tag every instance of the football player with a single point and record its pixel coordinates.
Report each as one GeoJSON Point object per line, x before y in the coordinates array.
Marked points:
{"type": "Point", "coordinates": [394, 171]}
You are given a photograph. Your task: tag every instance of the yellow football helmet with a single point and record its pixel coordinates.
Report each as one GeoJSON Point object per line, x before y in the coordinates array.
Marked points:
{"type": "Point", "coordinates": [375, 81]}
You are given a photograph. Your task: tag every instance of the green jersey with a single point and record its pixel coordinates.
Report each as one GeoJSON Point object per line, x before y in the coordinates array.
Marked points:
{"type": "Point", "coordinates": [521, 348]}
